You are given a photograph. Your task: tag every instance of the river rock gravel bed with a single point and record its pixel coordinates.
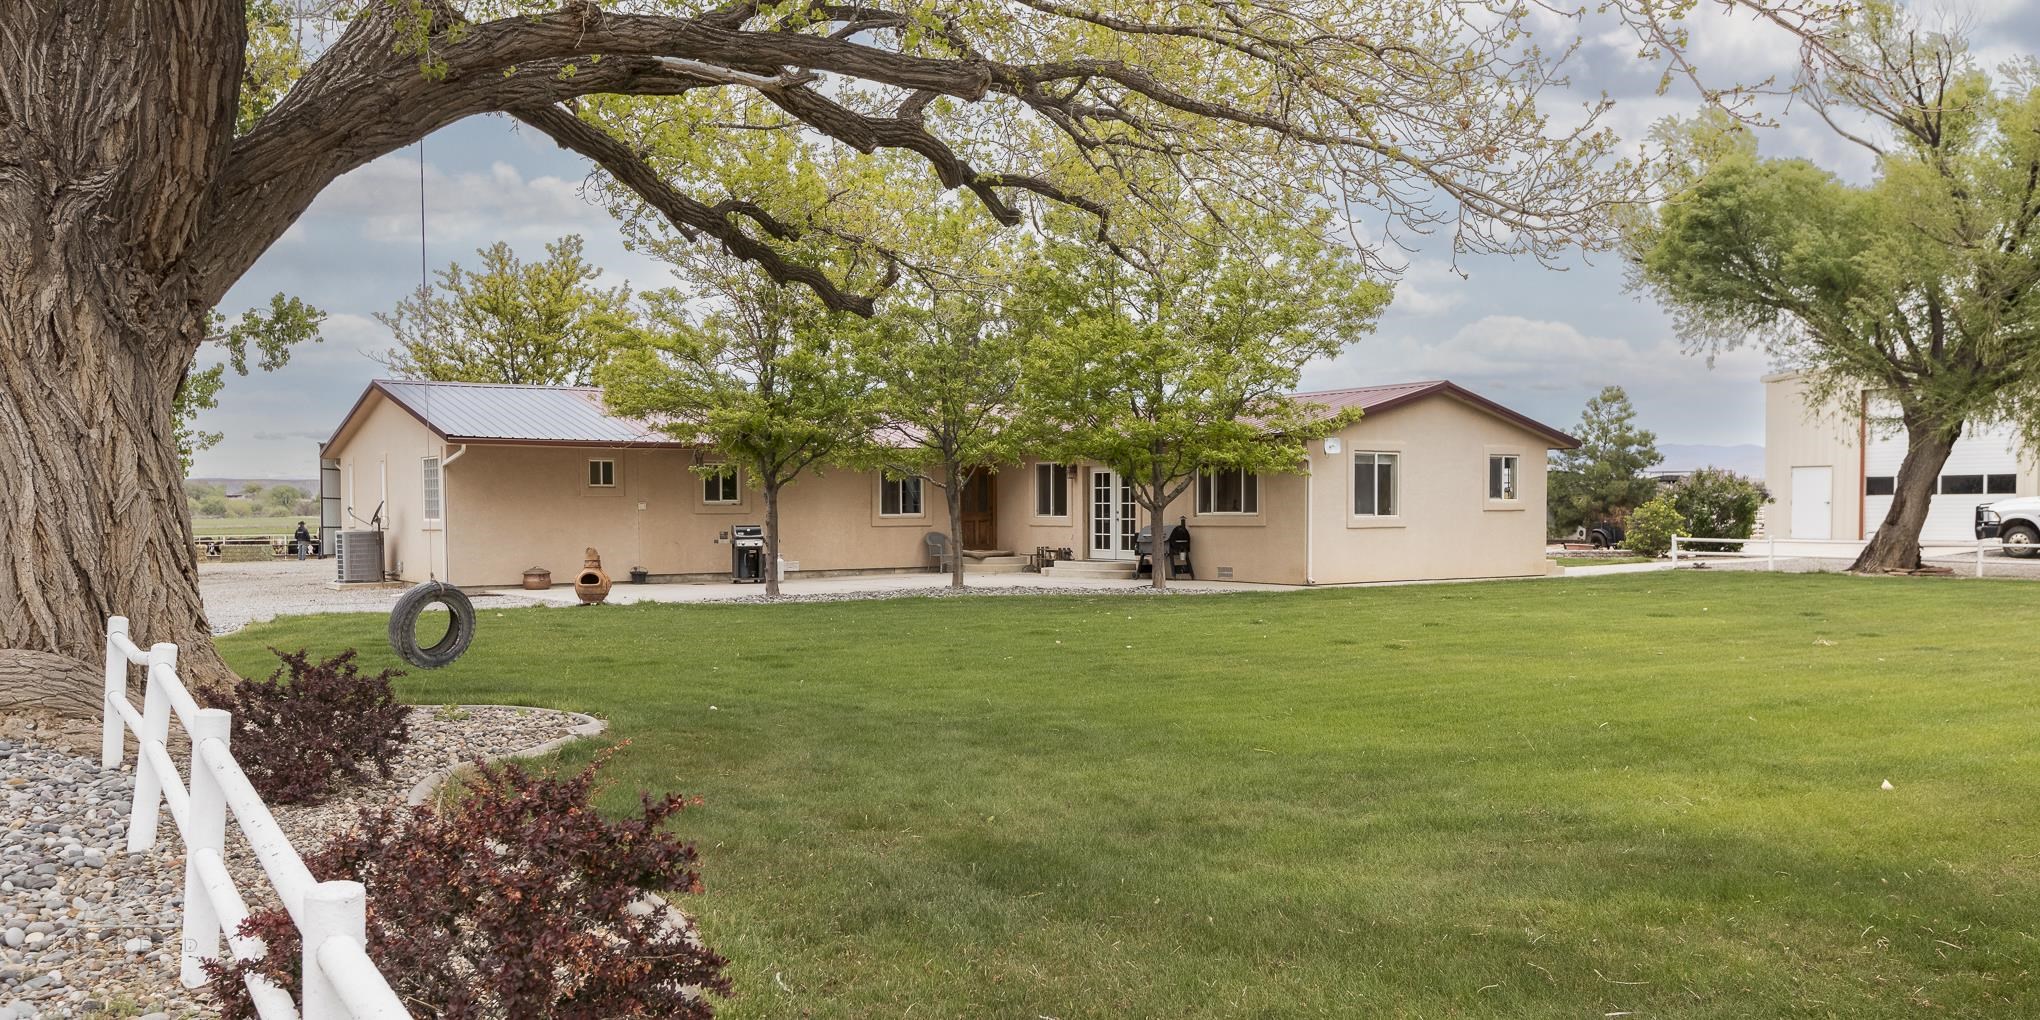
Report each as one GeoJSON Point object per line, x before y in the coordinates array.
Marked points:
{"type": "Point", "coordinates": [88, 930]}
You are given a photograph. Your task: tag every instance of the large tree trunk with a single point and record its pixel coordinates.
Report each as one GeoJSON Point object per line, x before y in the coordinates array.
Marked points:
{"type": "Point", "coordinates": [1896, 545]}
{"type": "Point", "coordinates": [114, 118]}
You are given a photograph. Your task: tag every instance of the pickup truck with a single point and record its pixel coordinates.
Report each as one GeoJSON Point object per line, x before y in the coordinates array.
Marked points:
{"type": "Point", "coordinates": [2015, 522]}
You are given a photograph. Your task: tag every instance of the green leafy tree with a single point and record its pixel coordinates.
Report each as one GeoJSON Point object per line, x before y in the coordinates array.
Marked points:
{"type": "Point", "coordinates": [1602, 479]}
{"type": "Point", "coordinates": [1653, 525]}
{"type": "Point", "coordinates": [1719, 504]}
{"type": "Point", "coordinates": [763, 378]}
{"type": "Point", "coordinates": [1186, 362]}
{"type": "Point", "coordinates": [1921, 286]}
{"type": "Point", "coordinates": [540, 323]}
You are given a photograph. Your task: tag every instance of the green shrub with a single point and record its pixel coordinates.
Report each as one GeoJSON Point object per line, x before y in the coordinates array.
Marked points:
{"type": "Point", "coordinates": [1719, 504]}
{"type": "Point", "coordinates": [1653, 525]}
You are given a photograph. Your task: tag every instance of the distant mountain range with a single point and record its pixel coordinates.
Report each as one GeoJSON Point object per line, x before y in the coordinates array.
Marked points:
{"type": "Point", "coordinates": [1746, 459]}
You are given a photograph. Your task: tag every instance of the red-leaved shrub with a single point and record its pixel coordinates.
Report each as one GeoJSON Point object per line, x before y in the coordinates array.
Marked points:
{"type": "Point", "coordinates": [519, 900]}
{"type": "Point", "coordinates": [310, 726]}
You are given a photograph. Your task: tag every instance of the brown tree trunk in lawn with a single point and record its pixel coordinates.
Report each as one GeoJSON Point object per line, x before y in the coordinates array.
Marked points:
{"type": "Point", "coordinates": [1158, 571]}
{"type": "Point", "coordinates": [114, 118]}
{"type": "Point", "coordinates": [1896, 545]}
{"type": "Point", "coordinates": [771, 538]}
{"type": "Point", "coordinates": [954, 477]}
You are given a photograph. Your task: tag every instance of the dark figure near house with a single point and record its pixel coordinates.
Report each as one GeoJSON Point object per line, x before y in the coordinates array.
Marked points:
{"type": "Point", "coordinates": [303, 541]}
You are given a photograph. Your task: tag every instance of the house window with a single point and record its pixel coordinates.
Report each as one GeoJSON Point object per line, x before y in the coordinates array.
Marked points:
{"type": "Point", "coordinates": [899, 497]}
{"type": "Point", "coordinates": [1374, 484]}
{"type": "Point", "coordinates": [1051, 490]}
{"type": "Point", "coordinates": [1879, 485]}
{"type": "Point", "coordinates": [431, 489]}
{"type": "Point", "coordinates": [602, 473]}
{"type": "Point", "coordinates": [2001, 485]}
{"type": "Point", "coordinates": [1501, 476]}
{"type": "Point", "coordinates": [1962, 485]}
{"type": "Point", "coordinates": [1228, 491]}
{"type": "Point", "coordinates": [721, 487]}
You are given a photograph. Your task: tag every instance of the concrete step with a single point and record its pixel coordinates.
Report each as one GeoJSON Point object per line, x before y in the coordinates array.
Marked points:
{"type": "Point", "coordinates": [1091, 569]}
{"type": "Point", "coordinates": [994, 567]}
{"type": "Point", "coordinates": [1003, 560]}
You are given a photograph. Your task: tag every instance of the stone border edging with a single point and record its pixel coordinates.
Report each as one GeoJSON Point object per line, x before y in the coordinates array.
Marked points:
{"type": "Point", "coordinates": [586, 726]}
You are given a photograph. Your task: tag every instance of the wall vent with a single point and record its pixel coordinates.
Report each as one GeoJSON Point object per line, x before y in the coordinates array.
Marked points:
{"type": "Point", "coordinates": [1225, 573]}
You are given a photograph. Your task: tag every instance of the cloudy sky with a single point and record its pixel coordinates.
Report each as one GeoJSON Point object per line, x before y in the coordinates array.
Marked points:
{"type": "Point", "coordinates": [1541, 340]}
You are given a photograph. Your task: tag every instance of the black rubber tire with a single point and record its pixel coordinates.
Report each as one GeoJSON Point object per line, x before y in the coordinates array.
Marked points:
{"type": "Point", "coordinates": [404, 625]}
{"type": "Point", "coordinates": [2014, 547]}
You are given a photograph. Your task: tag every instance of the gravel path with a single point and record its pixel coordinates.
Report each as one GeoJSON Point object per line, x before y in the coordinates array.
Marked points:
{"type": "Point", "coordinates": [91, 930]}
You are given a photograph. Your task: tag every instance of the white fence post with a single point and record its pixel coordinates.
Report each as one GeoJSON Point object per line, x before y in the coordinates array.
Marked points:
{"type": "Point", "coordinates": [1771, 552]}
{"type": "Point", "coordinates": [113, 732]}
{"type": "Point", "coordinates": [207, 831]}
{"type": "Point", "coordinates": [155, 726]}
{"type": "Point", "coordinates": [1979, 557]}
{"type": "Point", "coordinates": [1675, 552]}
{"type": "Point", "coordinates": [332, 909]}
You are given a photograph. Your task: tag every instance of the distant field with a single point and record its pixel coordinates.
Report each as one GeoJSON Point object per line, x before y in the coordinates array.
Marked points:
{"type": "Point", "coordinates": [222, 527]}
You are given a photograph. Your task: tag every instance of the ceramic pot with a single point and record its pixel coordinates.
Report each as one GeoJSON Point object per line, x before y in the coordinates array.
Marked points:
{"type": "Point", "coordinates": [592, 583]}
{"type": "Point", "coordinates": [537, 579]}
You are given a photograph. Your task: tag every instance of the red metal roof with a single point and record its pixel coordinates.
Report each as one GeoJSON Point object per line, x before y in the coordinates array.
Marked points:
{"type": "Point", "coordinates": [1382, 398]}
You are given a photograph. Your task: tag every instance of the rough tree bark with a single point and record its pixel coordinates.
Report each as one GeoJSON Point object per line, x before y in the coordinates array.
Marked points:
{"type": "Point", "coordinates": [952, 492]}
{"type": "Point", "coordinates": [114, 117]}
{"type": "Point", "coordinates": [1896, 544]}
{"type": "Point", "coordinates": [771, 536]}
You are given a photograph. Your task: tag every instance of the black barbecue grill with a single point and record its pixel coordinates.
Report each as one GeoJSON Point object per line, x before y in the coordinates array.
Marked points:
{"type": "Point", "coordinates": [747, 553]}
{"type": "Point", "coordinates": [1179, 551]}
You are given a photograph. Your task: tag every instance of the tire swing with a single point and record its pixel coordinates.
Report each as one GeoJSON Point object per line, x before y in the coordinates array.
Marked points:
{"type": "Point", "coordinates": [404, 625]}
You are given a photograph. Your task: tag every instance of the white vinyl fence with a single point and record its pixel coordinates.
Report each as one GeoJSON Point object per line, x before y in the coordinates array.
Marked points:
{"type": "Point", "coordinates": [340, 981]}
{"type": "Point", "coordinates": [1772, 549]}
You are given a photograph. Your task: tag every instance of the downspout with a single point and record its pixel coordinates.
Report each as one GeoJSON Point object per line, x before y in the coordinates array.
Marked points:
{"type": "Point", "coordinates": [446, 508]}
{"type": "Point", "coordinates": [1309, 524]}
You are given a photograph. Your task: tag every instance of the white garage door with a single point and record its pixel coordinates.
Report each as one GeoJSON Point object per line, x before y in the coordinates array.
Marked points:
{"type": "Point", "coordinates": [1984, 466]}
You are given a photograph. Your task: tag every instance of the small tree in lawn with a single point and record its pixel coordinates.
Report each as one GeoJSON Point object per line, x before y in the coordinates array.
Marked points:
{"type": "Point", "coordinates": [541, 323]}
{"type": "Point", "coordinates": [1186, 363]}
{"type": "Point", "coordinates": [1719, 504]}
{"type": "Point", "coordinates": [763, 378]}
{"type": "Point", "coordinates": [1602, 479]}
{"type": "Point", "coordinates": [1922, 285]}
{"type": "Point", "coordinates": [947, 359]}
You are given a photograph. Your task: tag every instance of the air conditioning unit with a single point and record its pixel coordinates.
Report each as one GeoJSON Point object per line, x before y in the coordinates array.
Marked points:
{"type": "Point", "coordinates": [359, 557]}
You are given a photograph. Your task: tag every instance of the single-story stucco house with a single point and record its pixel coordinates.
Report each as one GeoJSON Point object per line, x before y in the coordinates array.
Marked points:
{"type": "Point", "coordinates": [478, 482]}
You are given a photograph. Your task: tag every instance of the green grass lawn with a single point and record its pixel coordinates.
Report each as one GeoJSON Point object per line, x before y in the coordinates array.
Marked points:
{"type": "Point", "coordinates": [1643, 795]}
{"type": "Point", "coordinates": [221, 527]}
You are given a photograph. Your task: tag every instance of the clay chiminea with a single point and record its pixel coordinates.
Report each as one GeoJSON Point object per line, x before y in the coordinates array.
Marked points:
{"type": "Point", "coordinates": [592, 583]}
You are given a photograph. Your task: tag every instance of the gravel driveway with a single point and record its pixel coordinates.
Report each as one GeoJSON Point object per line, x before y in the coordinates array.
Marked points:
{"type": "Point", "coordinates": [238, 594]}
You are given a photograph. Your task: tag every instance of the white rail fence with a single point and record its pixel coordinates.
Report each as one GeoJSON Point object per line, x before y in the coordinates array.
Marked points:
{"type": "Point", "coordinates": [1771, 549]}
{"type": "Point", "coordinates": [340, 981]}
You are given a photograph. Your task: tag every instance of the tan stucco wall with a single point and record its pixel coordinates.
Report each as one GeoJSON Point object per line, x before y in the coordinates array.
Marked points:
{"type": "Point", "coordinates": [1445, 526]}
{"type": "Point", "coordinates": [517, 507]}
{"type": "Point", "coordinates": [382, 461]}
{"type": "Point", "coordinates": [1797, 434]}
{"type": "Point", "coordinates": [1020, 530]}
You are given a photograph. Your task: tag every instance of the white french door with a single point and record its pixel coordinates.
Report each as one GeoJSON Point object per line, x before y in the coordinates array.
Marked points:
{"type": "Point", "coordinates": [1113, 526]}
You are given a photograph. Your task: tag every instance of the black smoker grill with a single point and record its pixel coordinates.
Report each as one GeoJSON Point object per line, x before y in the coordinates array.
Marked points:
{"type": "Point", "coordinates": [747, 554]}
{"type": "Point", "coordinates": [1179, 551]}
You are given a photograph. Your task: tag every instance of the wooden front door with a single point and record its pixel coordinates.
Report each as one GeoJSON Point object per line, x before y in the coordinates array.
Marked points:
{"type": "Point", "coordinates": [980, 524]}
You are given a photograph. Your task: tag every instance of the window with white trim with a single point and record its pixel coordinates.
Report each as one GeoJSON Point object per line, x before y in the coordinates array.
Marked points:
{"type": "Point", "coordinates": [1051, 490]}
{"type": "Point", "coordinates": [721, 487]}
{"type": "Point", "coordinates": [430, 490]}
{"type": "Point", "coordinates": [1228, 491]}
{"type": "Point", "coordinates": [1374, 484]}
{"type": "Point", "coordinates": [1501, 476]}
{"type": "Point", "coordinates": [602, 473]}
{"type": "Point", "coordinates": [899, 497]}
